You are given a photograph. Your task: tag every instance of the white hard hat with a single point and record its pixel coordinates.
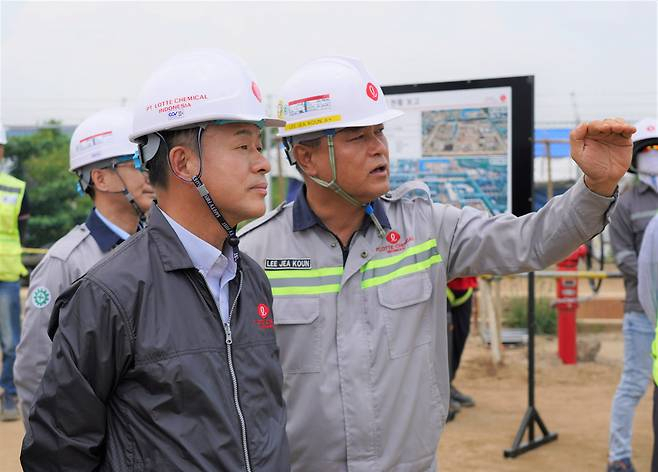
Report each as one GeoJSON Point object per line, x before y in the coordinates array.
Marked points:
{"type": "Point", "coordinates": [332, 92]}
{"type": "Point", "coordinates": [646, 135]}
{"type": "Point", "coordinates": [646, 129]}
{"type": "Point", "coordinates": [198, 87]}
{"type": "Point", "coordinates": [3, 135]}
{"type": "Point", "coordinates": [101, 136]}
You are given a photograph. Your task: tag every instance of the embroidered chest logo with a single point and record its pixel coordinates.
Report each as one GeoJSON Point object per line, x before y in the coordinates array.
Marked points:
{"type": "Point", "coordinates": [288, 264]}
{"type": "Point", "coordinates": [265, 321]}
{"type": "Point", "coordinates": [396, 243]}
{"type": "Point", "coordinates": [393, 237]}
{"type": "Point", "coordinates": [41, 297]}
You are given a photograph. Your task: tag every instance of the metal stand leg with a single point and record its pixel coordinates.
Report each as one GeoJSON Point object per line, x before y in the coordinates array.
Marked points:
{"type": "Point", "coordinates": [531, 415]}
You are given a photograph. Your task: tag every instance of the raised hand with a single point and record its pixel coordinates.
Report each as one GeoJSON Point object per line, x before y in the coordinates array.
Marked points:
{"type": "Point", "coordinates": [603, 150]}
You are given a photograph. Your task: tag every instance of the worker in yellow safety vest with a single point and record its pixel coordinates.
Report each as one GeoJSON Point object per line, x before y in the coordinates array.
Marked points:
{"type": "Point", "coordinates": [14, 213]}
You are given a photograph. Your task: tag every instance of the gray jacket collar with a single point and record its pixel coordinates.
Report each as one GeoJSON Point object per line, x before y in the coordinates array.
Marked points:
{"type": "Point", "coordinates": [104, 236]}
{"type": "Point", "coordinates": [172, 253]}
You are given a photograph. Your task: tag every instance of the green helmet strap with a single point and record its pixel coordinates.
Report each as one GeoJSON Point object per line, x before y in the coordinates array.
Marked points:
{"type": "Point", "coordinates": [333, 185]}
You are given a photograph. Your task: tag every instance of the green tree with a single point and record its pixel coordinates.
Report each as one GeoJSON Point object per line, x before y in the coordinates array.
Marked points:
{"type": "Point", "coordinates": [42, 160]}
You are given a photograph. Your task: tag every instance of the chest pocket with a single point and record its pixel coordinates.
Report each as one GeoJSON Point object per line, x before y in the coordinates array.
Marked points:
{"type": "Point", "coordinates": [297, 326]}
{"type": "Point", "coordinates": [406, 315]}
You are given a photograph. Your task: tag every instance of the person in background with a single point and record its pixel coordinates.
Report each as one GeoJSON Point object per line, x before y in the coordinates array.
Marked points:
{"type": "Point", "coordinates": [647, 290]}
{"type": "Point", "coordinates": [460, 300]}
{"type": "Point", "coordinates": [111, 174]}
{"type": "Point", "coordinates": [14, 214]}
{"type": "Point", "coordinates": [637, 205]}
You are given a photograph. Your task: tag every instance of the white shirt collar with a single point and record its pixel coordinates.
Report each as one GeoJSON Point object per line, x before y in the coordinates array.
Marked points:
{"type": "Point", "coordinates": [115, 229]}
{"type": "Point", "coordinates": [204, 256]}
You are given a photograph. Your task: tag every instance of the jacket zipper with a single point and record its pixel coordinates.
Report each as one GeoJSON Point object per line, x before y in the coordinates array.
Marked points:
{"type": "Point", "coordinates": [229, 353]}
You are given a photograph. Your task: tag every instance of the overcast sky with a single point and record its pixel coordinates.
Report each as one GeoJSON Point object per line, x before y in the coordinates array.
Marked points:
{"type": "Point", "coordinates": [65, 60]}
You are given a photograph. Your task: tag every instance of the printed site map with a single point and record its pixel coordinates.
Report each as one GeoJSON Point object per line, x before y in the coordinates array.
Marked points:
{"type": "Point", "coordinates": [462, 154]}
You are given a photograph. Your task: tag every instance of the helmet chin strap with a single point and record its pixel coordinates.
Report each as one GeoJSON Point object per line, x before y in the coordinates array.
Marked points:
{"type": "Point", "coordinates": [333, 185]}
{"type": "Point", "coordinates": [233, 239]}
{"type": "Point", "coordinates": [141, 217]}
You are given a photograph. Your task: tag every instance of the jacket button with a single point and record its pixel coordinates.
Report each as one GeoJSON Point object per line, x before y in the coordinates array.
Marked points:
{"type": "Point", "coordinates": [333, 244]}
{"type": "Point", "coordinates": [364, 254]}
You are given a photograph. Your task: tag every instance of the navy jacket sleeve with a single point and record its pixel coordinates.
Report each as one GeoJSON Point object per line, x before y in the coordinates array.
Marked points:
{"type": "Point", "coordinates": [91, 351]}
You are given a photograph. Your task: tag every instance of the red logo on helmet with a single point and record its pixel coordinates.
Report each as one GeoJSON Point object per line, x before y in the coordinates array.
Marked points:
{"type": "Point", "coordinates": [371, 91]}
{"type": "Point", "coordinates": [256, 91]}
{"type": "Point", "coordinates": [263, 311]}
{"type": "Point", "coordinates": [503, 98]}
{"type": "Point", "coordinates": [651, 128]}
{"type": "Point", "coordinates": [393, 237]}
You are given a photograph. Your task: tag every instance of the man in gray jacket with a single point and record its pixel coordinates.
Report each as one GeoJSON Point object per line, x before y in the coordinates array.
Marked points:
{"type": "Point", "coordinates": [637, 205]}
{"type": "Point", "coordinates": [111, 175]}
{"type": "Point", "coordinates": [359, 273]}
{"type": "Point", "coordinates": [164, 355]}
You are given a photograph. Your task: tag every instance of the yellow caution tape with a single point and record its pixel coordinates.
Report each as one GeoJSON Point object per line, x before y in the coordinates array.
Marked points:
{"type": "Point", "coordinates": [33, 250]}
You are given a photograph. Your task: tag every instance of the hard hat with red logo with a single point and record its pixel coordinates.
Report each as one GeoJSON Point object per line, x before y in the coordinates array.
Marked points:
{"type": "Point", "coordinates": [645, 138]}
{"type": "Point", "coordinates": [197, 87]}
{"type": "Point", "coordinates": [327, 94]}
{"type": "Point", "coordinates": [193, 90]}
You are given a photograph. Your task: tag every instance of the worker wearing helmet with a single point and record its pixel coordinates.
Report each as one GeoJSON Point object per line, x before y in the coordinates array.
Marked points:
{"type": "Point", "coordinates": [165, 351]}
{"type": "Point", "coordinates": [647, 290]}
{"type": "Point", "coordinates": [109, 171]}
{"type": "Point", "coordinates": [14, 213]}
{"type": "Point", "coordinates": [359, 273]}
{"type": "Point", "coordinates": [637, 205]}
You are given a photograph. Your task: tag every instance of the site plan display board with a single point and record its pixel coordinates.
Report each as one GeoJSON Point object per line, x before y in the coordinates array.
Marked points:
{"type": "Point", "coordinates": [469, 141]}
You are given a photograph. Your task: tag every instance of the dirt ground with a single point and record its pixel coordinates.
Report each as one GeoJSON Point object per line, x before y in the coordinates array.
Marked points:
{"type": "Point", "coordinates": [574, 401]}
